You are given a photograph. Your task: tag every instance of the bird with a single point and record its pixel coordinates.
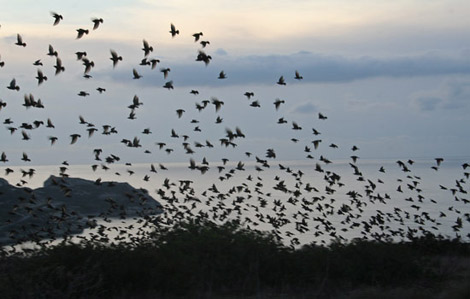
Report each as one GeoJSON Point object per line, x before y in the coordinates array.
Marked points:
{"type": "Point", "coordinates": [3, 158]}
{"type": "Point", "coordinates": [88, 64]}
{"type": "Point", "coordinates": [52, 139]}
{"type": "Point", "coordinates": [52, 52]}
{"type": "Point", "coordinates": [81, 32]}
{"type": "Point", "coordinates": [19, 41]}
{"type": "Point", "coordinates": [197, 36]}
{"type": "Point", "coordinates": [222, 75]}
{"type": "Point", "coordinates": [281, 81]}
{"type": "Point", "coordinates": [74, 138]}
{"type": "Point", "coordinates": [147, 49]}
{"type": "Point", "coordinates": [168, 85]}
{"type": "Point", "coordinates": [165, 72]}
{"type": "Point", "coordinates": [13, 85]}
{"type": "Point", "coordinates": [217, 103]}
{"type": "Point", "coordinates": [58, 66]}
{"type": "Point", "coordinates": [204, 43]}
{"type": "Point", "coordinates": [96, 22]}
{"type": "Point", "coordinates": [173, 30]}
{"type": "Point", "coordinates": [153, 62]}
{"type": "Point", "coordinates": [136, 74]}
{"type": "Point", "coordinates": [298, 76]}
{"type": "Point", "coordinates": [101, 89]}
{"type": "Point", "coordinates": [180, 112]}
{"type": "Point", "coordinates": [37, 62]}
{"type": "Point", "coordinates": [57, 18]}
{"type": "Point", "coordinates": [41, 78]}
{"type": "Point", "coordinates": [115, 58]}
{"type": "Point", "coordinates": [201, 56]}
{"type": "Point", "coordinates": [277, 103]}
{"type": "Point", "coordinates": [25, 158]}
{"type": "Point", "coordinates": [80, 55]}
{"type": "Point", "coordinates": [49, 123]}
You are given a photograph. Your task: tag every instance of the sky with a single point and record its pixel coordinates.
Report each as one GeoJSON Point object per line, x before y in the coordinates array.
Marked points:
{"type": "Point", "coordinates": [393, 78]}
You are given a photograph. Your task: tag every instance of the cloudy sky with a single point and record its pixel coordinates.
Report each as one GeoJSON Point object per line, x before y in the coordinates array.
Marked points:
{"type": "Point", "coordinates": [391, 76]}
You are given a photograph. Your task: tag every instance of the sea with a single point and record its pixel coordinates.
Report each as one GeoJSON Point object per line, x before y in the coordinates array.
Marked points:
{"type": "Point", "coordinates": [310, 201]}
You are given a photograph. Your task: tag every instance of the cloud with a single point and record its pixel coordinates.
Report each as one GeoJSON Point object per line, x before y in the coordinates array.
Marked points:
{"type": "Point", "coordinates": [428, 103]}
{"type": "Point", "coordinates": [221, 52]}
{"type": "Point", "coordinates": [314, 67]}
{"type": "Point", "coordinates": [305, 108]}
{"type": "Point", "coordinates": [451, 96]}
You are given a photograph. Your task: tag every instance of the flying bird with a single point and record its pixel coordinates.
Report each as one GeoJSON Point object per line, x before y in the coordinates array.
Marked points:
{"type": "Point", "coordinates": [298, 76]}
{"type": "Point", "coordinates": [204, 43]}
{"type": "Point", "coordinates": [41, 78]}
{"type": "Point", "coordinates": [88, 64]}
{"type": "Point", "coordinates": [96, 23]}
{"type": "Point", "coordinates": [57, 18]}
{"type": "Point", "coordinates": [168, 85]}
{"type": "Point", "coordinates": [13, 85]}
{"type": "Point", "coordinates": [52, 52]}
{"type": "Point", "coordinates": [278, 102]}
{"type": "Point", "coordinates": [281, 81]}
{"type": "Point", "coordinates": [3, 158]}
{"type": "Point", "coordinates": [74, 138]}
{"type": "Point", "coordinates": [222, 75]}
{"type": "Point", "coordinates": [25, 157]}
{"type": "Point", "coordinates": [136, 74]}
{"type": "Point", "coordinates": [173, 30]}
{"type": "Point", "coordinates": [19, 41]}
{"type": "Point", "coordinates": [80, 55]}
{"type": "Point", "coordinates": [154, 62]}
{"type": "Point", "coordinates": [165, 72]}
{"type": "Point", "coordinates": [201, 56]}
{"type": "Point", "coordinates": [81, 32]}
{"type": "Point", "coordinates": [197, 36]}
{"type": "Point", "coordinates": [115, 57]}
{"type": "Point", "coordinates": [147, 49]}
{"type": "Point", "coordinates": [58, 66]}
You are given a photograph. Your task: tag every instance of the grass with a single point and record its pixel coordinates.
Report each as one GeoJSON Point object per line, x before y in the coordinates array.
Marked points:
{"type": "Point", "coordinates": [205, 260]}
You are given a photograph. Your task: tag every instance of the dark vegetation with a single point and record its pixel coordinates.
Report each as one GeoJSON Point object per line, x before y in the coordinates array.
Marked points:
{"type": "Point", "coordinates": [205, 260]}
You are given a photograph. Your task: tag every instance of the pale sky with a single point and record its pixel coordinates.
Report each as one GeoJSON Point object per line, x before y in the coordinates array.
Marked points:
{"type": "Point", "coordinates": [393, 77]}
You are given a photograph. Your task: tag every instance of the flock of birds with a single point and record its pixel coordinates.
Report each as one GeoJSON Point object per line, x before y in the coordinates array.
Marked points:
{"type": "Point", "coordinates": [289, 204]}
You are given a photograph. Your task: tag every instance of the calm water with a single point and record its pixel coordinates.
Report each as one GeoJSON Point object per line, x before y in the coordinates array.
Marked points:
{"type": "Point", "coordinates": [438, 210]}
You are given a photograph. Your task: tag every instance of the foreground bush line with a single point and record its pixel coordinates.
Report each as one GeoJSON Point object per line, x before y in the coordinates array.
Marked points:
{"type": "Point", "coordinates": [208, 260]}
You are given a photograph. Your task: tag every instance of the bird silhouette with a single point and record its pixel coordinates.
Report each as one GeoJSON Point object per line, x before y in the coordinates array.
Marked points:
{"type": "Point", "coordinates": [165, 72]}
{"type": "Point", "coordinates": [136, 74]}
{"type": "Point", "coordinates": [197, 36]}
{"type": "Point", "coordinates": [41, 78]}
{"type": "Point", "coordinates": [222, 75]}
{"type": "Point", "coordinates": [115, 58]}
{"type": "Point", "coordinates": [81, 32]}
{"type": "Point", "coordinates": [13, 85]}
{"type": "Point", "coordinates": [57, 18]}
{"type": "Point", "coordinates": [19, 41]}
{"type": "Point", "coordinates": [52, 52]}
{"type": "Point", "coordinates": [96, 22]}
{"type": "Point", "coordinates": [58, 66]}
{"type": "Point", "coordinates": [281, 81]}
{"type": "Point", "coordinates": [147, 49]}
{"type": "Point", "coordinates": [173, 30]}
